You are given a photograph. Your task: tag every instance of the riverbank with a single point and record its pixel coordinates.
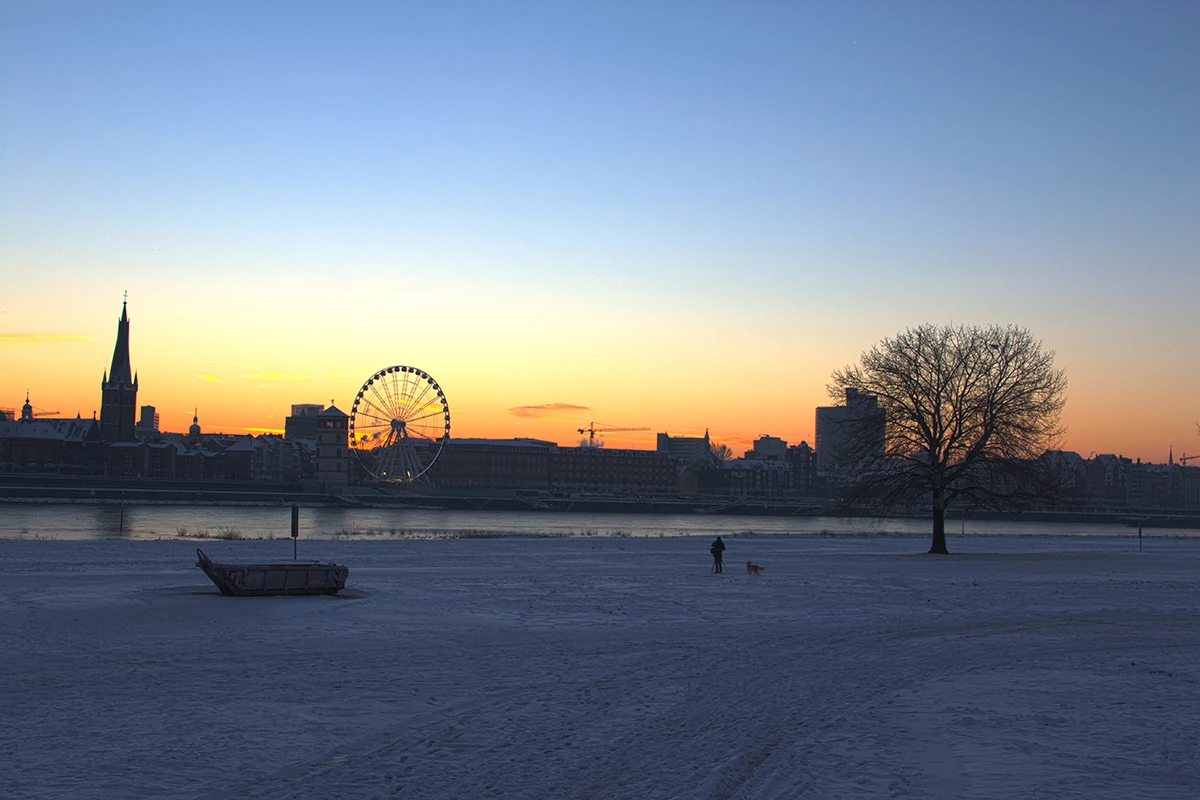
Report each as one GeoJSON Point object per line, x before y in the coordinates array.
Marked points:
{"type": "Point", "coordinates": [165, 521]}
{"type": "Point", "coordinates": [37, 489]}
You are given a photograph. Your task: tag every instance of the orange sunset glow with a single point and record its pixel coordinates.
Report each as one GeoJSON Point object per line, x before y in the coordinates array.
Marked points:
{"type": "Point", "coordinates": [549, 393]}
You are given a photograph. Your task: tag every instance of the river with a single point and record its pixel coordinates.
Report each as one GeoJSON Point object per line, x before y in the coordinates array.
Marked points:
{"type": "Point", "coordinates": [86, 521]}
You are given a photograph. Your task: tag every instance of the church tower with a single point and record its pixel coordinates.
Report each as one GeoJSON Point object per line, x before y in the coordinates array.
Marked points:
{"type": "Point", "coordinates": [118, 403]}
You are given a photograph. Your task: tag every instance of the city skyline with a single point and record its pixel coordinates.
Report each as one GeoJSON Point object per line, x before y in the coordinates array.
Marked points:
{"type": "Point", "coordinates": [674, 216]}
{"type": "Point", "coordinates": [594, 434]}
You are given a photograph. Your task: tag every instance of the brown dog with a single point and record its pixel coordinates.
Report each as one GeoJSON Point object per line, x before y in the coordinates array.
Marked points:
{"type": "Point", "coordinates": [753, 569]}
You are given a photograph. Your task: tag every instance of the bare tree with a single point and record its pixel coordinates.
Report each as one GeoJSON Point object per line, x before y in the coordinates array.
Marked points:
{"type": "Point", "coordinates": [720, 452]}
{"type": "Point", "coordinates": [967, 412]}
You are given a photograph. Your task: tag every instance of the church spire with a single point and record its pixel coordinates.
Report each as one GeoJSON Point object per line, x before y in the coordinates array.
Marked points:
{"type": "Point", "coordinates": [118, 403]}
{"type": "Point", "coordinates": [120, 371]}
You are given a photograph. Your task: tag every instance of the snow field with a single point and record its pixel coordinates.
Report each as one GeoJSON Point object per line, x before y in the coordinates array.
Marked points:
{"type": "Point", "coordinates": [605, 668]}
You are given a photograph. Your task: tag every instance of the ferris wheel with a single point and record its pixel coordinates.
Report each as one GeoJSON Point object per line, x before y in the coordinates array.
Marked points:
{"type": "Point", "coordinates": [399, 423]}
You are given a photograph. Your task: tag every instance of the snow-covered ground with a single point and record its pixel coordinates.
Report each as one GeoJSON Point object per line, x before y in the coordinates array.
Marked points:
{"type": "Point", "coordinates": [606, 668]}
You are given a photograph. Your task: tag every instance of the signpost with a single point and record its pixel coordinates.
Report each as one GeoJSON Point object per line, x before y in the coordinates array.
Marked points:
{"type": "Point", "coordinates": [295, 529]}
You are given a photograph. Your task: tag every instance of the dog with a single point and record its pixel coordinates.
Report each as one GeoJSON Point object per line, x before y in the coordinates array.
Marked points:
{"type": "Point", "coordinates": [753, 569]}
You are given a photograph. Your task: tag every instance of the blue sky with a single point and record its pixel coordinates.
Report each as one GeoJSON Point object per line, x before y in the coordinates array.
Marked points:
{"type": "Point", "coordinates": [675, 189]}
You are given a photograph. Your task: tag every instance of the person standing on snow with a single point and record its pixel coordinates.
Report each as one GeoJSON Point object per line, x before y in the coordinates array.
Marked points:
{"type": "Point", "coordinates": [717, 549]}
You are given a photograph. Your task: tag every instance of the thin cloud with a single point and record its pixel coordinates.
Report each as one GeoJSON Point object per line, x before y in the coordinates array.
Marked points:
{"type": "Point", "coordinates": [271, 375]}
{"type": "Point", "coordinates": [545, 410]}
{"type": "Point", "coordinates": [209, 378]}
{"type": "Point", "coordinates": [41, 338]}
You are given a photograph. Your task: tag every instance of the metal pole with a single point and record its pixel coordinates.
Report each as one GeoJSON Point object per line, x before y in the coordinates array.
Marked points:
{"type": "Point", "coordinates": [295, 529]}
{"type": "Point", "coordinates": [1139, 536]}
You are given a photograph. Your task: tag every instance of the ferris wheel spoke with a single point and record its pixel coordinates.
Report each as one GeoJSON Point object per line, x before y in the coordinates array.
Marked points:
{"type": "Point", "coordinates": [410, 389]}
{"type": "Point", "coordinates": [395, 392]}
{"type": "Point", "coordinates": [421, 401]}
{"type": "Point", "coordinates": [413, 409]}
{"type": "Point", "coordinates": [420, 390]}
{"type": "Point", "coordinates": [365, 421]}
{"type": "Point", "coordinates": [384, 394]}
{"type": "Point", "coordinates": [380, 412]}
{"type": "Point", "coordinates": [383, 420]}
{"type": "Point", "coordinates": [439, 412]}
{"type": "Point", "coordinates": [408, 386]}
{"type": "Point", "coordinates": [367, 400]}
{"type": "Point", "coordinates": [410, 397]}
{"type": "Point", "coordinates": [400, 392]}
{"type": "Point", "coordinates": [377, 409]}
{"type": "Point", "coordinates": [370, 433]}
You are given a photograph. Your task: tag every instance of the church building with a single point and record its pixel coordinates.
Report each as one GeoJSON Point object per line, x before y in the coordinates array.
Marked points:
{"type": "Point", "coordinates": [118, 403]}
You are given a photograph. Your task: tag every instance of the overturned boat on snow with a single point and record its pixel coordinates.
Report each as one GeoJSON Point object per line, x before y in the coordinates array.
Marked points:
{"type": "Point", "coordinates": [251, 580]}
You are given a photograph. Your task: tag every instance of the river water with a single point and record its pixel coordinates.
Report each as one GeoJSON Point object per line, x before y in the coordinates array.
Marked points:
{"type": "Point", "coordinates": [139, 522]}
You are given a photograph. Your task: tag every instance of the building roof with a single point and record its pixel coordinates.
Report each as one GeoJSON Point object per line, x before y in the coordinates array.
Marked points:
{"type": "Point", "coordinates": [29, 430]}
{"type": "Point", "coordinates": [742, 464]}
{"type": "Point", "coordinates": [75, 430]}
{"type": "Point", "coordinates": [332, 411]}
{"type": "Point", "coordinates": [502, 443]}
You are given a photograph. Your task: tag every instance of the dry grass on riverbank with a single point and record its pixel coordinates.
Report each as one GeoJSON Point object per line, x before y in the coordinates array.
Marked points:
{"type": "Point", "coordinates": [223, 532]}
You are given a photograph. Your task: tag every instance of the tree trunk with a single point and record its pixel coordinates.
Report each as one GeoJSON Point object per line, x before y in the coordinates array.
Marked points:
{"type": "Point", "coordinates": [939, 525]}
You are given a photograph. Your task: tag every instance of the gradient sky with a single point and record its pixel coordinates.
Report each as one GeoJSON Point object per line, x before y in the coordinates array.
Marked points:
{"type": "Point", "coordinates": [673, 215]}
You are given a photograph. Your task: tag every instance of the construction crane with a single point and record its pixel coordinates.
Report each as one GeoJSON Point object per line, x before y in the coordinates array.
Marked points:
{"type": "Point", "coordinates": [1185, 457]}
{"type": "Point", "coordinates": [28, 412]}
{"type": "Point", "coordinates": [591, 430]}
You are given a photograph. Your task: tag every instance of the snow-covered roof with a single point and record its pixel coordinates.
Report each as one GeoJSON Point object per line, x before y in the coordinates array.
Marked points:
{"type": "Point", "coordinates": [502, 443]}
{"type": "Point", "coordinates": [28, 430]}
{"type": "Point", "coordinates": [775, 466]}
{"type": "Point", "coordinates": [73, 428]}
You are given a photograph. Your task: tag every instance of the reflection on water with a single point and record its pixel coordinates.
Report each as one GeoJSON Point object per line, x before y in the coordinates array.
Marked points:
{"type": "Point", "coordinates": [91, 521]}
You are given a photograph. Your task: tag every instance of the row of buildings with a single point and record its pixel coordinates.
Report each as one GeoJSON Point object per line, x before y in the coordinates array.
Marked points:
{"type": "Point", "coordinates": [124, 443]}
{"type": "Point", "coordinates": [76, 447]}
{"type": "Point", "coordinates": [314, 452]}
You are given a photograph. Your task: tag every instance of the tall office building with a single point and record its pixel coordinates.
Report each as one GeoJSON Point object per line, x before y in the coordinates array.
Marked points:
{"type": "Point", "coordinates": [688, 449]}
{"type": "Point", "coordinates": [850, 432]}
{"type": "Point", "coordinates": [302, 424]}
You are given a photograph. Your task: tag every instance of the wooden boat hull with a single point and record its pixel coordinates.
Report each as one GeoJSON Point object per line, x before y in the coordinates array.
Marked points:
{"type": "Point", "coordinates": [264, 580]}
